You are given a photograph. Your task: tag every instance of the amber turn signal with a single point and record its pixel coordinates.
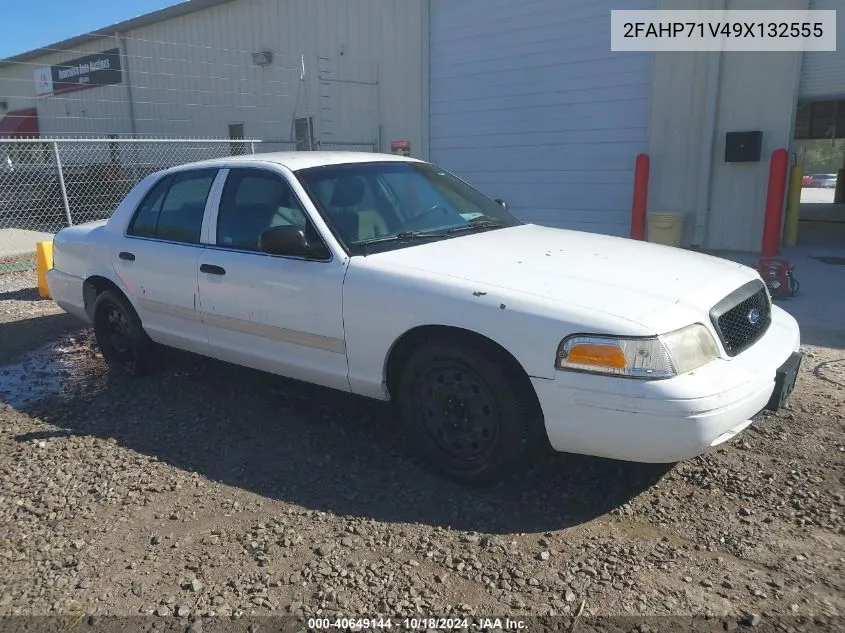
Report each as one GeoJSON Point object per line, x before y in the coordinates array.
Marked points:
{"type": "Point", "coordinates": [598, 355]}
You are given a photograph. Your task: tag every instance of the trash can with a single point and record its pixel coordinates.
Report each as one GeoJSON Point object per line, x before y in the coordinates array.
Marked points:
{"type": "Point", "coordinates": [666, 228]}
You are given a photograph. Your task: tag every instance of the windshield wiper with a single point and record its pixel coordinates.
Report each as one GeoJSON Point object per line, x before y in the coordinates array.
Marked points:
{"type": "Point", "coordinates": [410, 236]}
{"type": "Point", "coordinates": [404, 236]}
{"type": "Point", "coordinates": [475, 224]}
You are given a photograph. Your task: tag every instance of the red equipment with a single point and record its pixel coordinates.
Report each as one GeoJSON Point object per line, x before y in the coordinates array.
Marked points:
{"type": "Point", "coordinates": [779, 277]}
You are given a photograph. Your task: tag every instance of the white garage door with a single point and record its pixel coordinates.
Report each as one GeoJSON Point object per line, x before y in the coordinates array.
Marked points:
{"type": "Point", "coordinates": [528, 103]}
{"type": "Point", "coordinates": [823, 73]}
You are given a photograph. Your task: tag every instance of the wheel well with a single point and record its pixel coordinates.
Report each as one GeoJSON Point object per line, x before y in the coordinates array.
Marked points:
{"type": "Point", "coordinates": [93, 287]}
{"type": "Point", "coordinates": [411, 340]}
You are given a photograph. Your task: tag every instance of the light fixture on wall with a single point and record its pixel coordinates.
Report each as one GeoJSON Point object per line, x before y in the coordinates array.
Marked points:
{"type": "Point", "coordinates": [263, 58]}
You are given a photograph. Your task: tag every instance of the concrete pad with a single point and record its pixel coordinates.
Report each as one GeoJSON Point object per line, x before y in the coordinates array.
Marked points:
{"type": "Point", "coordinates": [20, 241]}
{"type": "Point", "coordinates": [822, 235]}
{"type": "Point", "coordinates": [817, 195]}
{"type": "Point", "coordinates": [829, 211]}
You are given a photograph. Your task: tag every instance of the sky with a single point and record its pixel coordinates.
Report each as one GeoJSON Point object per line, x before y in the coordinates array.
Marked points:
{"type": "Point", "coordinates": [28, 24]}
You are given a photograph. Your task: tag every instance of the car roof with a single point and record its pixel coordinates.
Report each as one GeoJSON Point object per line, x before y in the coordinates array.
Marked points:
{"type": "Point", "coordinates": [296, 161]}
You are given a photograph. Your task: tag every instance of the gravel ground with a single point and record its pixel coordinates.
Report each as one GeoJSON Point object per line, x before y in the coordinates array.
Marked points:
{"type": "Point", "coordinates": [210, 490]}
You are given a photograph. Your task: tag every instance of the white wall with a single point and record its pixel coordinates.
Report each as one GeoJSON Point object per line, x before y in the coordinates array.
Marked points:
{"type": "Point", "coordinates": [94, 111]}
{"type": "Point", "coordinates": [756, 91]}
{"type": "Point", "coordinates": [528, 103]}
{"type": "Point", "coordinates": [193, 75]}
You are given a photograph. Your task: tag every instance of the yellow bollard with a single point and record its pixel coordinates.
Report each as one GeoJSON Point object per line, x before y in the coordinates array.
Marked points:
{"type": "Point", "coordinates": [43, 263]}
{"type": "Point", "coordinates": [793, 206]}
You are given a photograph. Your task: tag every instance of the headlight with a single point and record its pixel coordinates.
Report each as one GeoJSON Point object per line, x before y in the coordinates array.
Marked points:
{"type": "Point", "coordinates": [663, 356]}
{"type": "Point", "coordinates": [690, 347]}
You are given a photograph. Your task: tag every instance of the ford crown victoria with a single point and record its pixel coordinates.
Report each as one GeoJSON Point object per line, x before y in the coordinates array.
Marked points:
{"type": "Point", "coordinates": [388, 277]}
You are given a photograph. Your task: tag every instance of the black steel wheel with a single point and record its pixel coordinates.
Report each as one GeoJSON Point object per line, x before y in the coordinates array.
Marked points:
{"type": "Point", "coordinates": [459, 412]}
{"type": "Point", "coordinates": [467, 411]}
{"type": "Point", "coordinates": [123, 343]}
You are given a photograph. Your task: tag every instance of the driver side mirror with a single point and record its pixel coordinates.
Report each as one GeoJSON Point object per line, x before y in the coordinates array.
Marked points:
{"type": "Point", "coordinates": [504, 203]}
{"type": "Point", "coordinates": [290, 241]}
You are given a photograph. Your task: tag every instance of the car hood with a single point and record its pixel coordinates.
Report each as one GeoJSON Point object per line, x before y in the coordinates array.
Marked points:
{"type": "Point", "coordinates": [626, 278]}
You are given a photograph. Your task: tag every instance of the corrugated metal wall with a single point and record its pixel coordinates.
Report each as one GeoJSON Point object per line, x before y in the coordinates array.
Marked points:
{"type": "Point", "coordinates": [823, 73]}
{"type": "Point", "coordinates": [96, 111]}
{"type": "Point", "coordinates": [194, 75]}
{"type": "Point", "coordinates": [528, 103]}
{"type": "Point", "coordinates": [724, 203]}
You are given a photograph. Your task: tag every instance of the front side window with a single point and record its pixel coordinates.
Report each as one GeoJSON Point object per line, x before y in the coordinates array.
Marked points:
{"type": "Point", "coordinates": [383, 202]}
{"type": "Point", "coordinates": [173, 209]}
{"type": "Point", "coordinates": [253, 201]}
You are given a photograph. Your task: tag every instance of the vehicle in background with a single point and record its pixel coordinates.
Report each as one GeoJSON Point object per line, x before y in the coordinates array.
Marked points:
{"type": "Point", "coordinates": [823, 181]}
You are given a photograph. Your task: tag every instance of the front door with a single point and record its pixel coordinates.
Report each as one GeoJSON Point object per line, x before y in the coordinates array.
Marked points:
{"type": "Point", "coordinates": [158, 259]}
{"type": "Point", "coordinates": [277, 314]}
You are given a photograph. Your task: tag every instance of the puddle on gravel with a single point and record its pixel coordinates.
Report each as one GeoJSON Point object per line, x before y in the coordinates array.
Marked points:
{"type": "Point", "coordinates": [56, 369]}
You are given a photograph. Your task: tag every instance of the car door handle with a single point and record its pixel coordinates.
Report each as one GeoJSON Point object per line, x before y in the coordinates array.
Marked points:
{"type": "Point", "coordinates": [129, 257]}
{"type": "Point", "coordinates": [212, 269]}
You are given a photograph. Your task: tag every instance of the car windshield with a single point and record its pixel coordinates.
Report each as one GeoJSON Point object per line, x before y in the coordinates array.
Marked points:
{"type": "Point", "coordinates": [375, 206]}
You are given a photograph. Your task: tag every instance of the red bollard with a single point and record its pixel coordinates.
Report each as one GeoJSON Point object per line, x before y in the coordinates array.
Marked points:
{"type": "Point", "coordinates": [778, 171]}
{"type": "Point", "coordinates": [638, 210]}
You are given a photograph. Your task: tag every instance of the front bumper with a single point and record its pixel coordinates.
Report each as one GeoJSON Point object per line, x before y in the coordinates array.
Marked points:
{"type": "Point", "coordinates": [665, 421]}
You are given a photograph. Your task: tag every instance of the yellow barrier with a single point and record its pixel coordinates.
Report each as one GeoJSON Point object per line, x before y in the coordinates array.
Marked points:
{"type": "Point", "coordinates": [793, 205]}
{"type": "Point", "coordinates": [43, 263]}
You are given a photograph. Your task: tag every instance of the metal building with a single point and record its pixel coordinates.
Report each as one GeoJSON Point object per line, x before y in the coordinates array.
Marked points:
{"type": "Point", "coordinates": [528, 102]}
{"type": "Point", "coordinates": [524, 99]}
{"type": "Point", "coordinates": [312, 71]}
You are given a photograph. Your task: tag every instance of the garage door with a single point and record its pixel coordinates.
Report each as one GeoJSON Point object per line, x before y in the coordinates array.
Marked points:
{"type": "Point", "coordinates": [528, 103]}
{"type": "Point", "coordinates": [823, 73]}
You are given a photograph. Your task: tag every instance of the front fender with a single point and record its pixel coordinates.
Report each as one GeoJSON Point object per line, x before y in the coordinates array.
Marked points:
{"type": "Point", "coordinates": [380, 306]}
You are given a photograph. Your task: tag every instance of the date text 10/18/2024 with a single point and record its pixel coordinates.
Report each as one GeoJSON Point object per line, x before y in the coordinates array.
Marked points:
{"type": "Point", "coordinates": [416, 624]}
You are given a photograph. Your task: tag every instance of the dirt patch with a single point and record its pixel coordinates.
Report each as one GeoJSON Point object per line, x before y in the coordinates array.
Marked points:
{"type": "Point", "coordinates": [28, 321]}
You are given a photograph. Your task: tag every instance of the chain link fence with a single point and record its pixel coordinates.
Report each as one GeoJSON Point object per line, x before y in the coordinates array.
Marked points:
{"type": "Point", "coordinates": [48, 184]}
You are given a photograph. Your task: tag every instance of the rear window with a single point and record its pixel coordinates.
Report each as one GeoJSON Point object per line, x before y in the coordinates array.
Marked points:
{"type": "Point", "coordinates": [173, 209]}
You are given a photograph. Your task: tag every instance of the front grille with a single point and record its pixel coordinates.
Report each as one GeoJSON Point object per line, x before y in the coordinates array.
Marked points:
{"type": "Point", "coordinates": [742, 317]}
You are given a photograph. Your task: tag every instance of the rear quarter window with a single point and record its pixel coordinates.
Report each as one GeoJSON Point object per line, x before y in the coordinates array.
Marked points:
{"type": "Point", "coordinates": [143, 224]}
{"type": "Point", "coordinates": [174, 208]}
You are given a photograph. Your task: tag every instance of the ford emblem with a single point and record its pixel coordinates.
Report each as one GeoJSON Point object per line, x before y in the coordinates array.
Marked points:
{"type": "Point", "coordinates": [753, 316]}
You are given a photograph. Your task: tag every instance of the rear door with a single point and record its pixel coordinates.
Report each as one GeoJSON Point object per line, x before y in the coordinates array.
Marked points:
{"type": "Point", "coordinates": [157, 259]}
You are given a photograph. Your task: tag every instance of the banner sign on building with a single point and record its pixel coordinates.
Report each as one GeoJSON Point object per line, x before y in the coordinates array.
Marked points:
{"type": "Point", "coordinates": [99, 69]}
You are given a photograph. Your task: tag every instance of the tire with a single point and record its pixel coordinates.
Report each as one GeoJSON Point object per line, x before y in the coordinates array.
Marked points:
{"type": "Point", "coordinates": [123, 343]}
{"type": "Point", "coordinates": [465, 410]}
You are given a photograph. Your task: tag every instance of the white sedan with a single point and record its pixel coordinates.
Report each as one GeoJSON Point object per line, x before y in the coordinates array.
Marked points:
{"type": "Point", "coordinates": [390, 278]}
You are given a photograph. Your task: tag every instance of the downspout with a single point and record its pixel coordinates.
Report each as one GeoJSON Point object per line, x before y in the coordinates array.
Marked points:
{"type": "Point", "coordinates": [708, 140]}
{"type": "Point", "coordinates": [125, 69]}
